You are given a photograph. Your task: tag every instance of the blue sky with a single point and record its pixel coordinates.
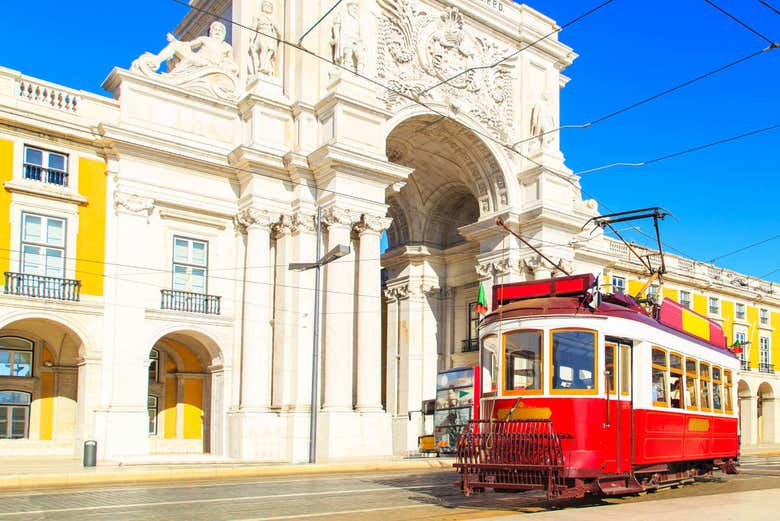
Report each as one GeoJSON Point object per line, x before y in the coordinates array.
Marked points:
{"type": "Point", "coordinates": [724, 198]}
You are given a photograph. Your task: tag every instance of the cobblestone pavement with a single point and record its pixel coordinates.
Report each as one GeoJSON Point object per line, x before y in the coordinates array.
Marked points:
{"type": "Point", "coordinates": [391, 496]}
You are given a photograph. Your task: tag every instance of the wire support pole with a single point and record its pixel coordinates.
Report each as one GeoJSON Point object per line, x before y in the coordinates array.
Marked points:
{"type": "Point", "coordinates": [500, 222]}
{"type": "Point", "coordinates": [315, 357]}
{"type": "Point", "coordinates": [310, 29]}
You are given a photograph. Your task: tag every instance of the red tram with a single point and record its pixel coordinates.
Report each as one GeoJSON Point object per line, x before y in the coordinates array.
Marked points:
{"type": "Point", "coordinates": [584, 396]}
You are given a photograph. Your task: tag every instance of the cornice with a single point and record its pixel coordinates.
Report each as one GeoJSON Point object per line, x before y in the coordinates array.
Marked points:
{"type": "Point", "coordinates": [335, 159]}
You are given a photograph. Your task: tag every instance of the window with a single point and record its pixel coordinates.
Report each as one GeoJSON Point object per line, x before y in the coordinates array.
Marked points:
{"type": "Point", "coordinates": [14, 414]}
{"type": "Point", "coordinates": [609, 367]}
{"type": "Point", "coordinates": [652, 292]}
{"type": "Point", "coordinates": [659, 378]}
{"type": "Point", "coordinates": [16, 357]}
{"type": "Point", "coordinates": [574, 361]}
{"type": "Point", "coordinates": [154, 366]}
{"type": "Point", "coordinates": [43, 245]}
{"type": "Point", "coordinates": [740, 338]}
{"type": "Point", "coordinates": [45, 166]}
{"type": "Point", "coordinates": [618, 284]}
{"type": "Point", "coordinates": [690, 384]}
{"type": "Point", "coordinates": [763, 354]}
{"type": "Point", "coordinates": [472, 343]}
{"type": "Point", "coordinates": [739, 311]}
{"type": "Point", "coordinates": [523, 361]}
{"type": "Point", "coordinates": [728, 384]}
{"type": "Point", "coordinates": [763, 316]}
{"type": "Point", "coordinates": [714, 307]}
{"type": "Point", "coordinates": [717, 396]}
{"type": "Point", "coordinates": [489, 364]}
{"type": "Point", "coordinates": [704, 376]}
{"type": "Point", "coordinates": [625, 370]}
{"type": "Point", "coordinates": [151, 406]}
{"type": "Point", "coordinates": [675, 380]}
{"type": "Point", "coordinates": [685, 299]}
{"type": "Point", "coordinates": [190, 265]}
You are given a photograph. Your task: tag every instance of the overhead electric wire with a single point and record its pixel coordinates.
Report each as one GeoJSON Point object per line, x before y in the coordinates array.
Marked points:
{"type": "Point", "coordinates": [321, 18]}
{"type": "Point", "coordinates": [518, 51]}
{"type": "Point", "coordinates": [743, 24]}
{"type": "Point", "coordinates": [681, 152]}
{"type": "Point", "coordinates": [740, 250]}
{"type": "Point", "coordinates": [769, 6]}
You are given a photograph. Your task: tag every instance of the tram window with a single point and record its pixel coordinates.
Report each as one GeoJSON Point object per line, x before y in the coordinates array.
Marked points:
{"type": "Point", "coordinates": [574, 360]}
{"type": "Point", "coordinates": [489, 364]}
{"type": "Point", "coordinates": [704, 375]}
{"type": "Point", "coordinates": [727, 390]}
{"type": "Point", "coordinates": [625, 370]}
{"type": "Point", "coordinates": [717, 401]}
{"type": "Point", "coordinates": [675, 380]}
{"type": "Point", "coordinates": [523, 361]}
{"type": "Point", "coordinates": [690, 384]}
{"type": "Point", "coordinates": [659, 378]}
{"type": "Point", "coordinates": [609, 367]}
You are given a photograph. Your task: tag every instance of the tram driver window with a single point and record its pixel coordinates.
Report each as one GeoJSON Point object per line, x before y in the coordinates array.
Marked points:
{"type": "Point", "coordinates": [690, 384]}
{"type": "Point", "coordinates": [573, 357]}
{"type": "Point", "coordinates": [659, 378]}
{"type": "Point", "coordinates": [704, 375]}
{"type": "Point", "coordinates": [523, 361]}
{"type": "Point", "coordinates": [489, 364]}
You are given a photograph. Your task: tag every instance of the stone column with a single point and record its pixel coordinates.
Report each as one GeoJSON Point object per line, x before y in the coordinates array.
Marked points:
{"type": "Point", "coordinates": [748, 420]}
{"type": "Point", "coordinates": [284, 316]}
{"type": "Point", "coordinates": [338, 317]}
{"type": "Point", "coordinates": [304, 248]}
{"type": "Point", "coordinates": [256, 346]}
{"type": "Point", "coordinates": [369, 356]}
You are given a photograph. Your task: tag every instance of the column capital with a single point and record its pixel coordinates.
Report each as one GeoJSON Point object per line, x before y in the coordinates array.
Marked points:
{"type": "Point", "coordinates": [335, 216]}
{"type": "Point", "coordinates": [282, 227]}
{"type": "Point", "coordinates": [250, 217]}
{"type": "Point", "coordinates": [304, 222]}
{"type": "Point", "coordinates": [372, 224]}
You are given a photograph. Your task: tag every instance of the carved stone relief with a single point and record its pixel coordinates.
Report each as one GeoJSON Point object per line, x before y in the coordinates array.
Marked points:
{"type": "Point", "coordinates": [346, 41]}
{"type": "Point", "coordinates": [372, 223]}
{"type": "Point", "coordinates": [134, 203]}
{"type": "Point", "coordinates": [543, 124]}
{"type": "Point", "coordinates": [204, 65]}
{"type": "Point", "coordinates": [302, 222]}
{"type": "Point", "coordinates": [252, 217]}
{"type": "Point", "coordinates": [418, 49]}
{"type": "Point", "coordinates": [335, 216]}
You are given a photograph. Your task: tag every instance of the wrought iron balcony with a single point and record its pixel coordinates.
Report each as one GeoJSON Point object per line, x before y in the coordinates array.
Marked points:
{"type": "Point", "coordinates": [766, 368]}
{"type": "Point", "coordinates": [46, 175]}
{"type": "Point", "coordinates": [744, 365]}
{"type": "Point", "coordinates": [189, 302]}
{"type": "Point", "coordinates": [39, 286]}
{"type": "Point", "coordinates": [469, 345]}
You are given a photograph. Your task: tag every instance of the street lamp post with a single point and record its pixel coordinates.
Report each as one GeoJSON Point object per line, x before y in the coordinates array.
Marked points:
{"type": "Point", "coordinates": [337, 252]}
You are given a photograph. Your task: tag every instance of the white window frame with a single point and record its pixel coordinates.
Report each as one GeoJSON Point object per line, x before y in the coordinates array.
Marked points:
{"type": "Point", "coordinates": [764, 350]}
{"type": "Point", "coordinates": [710, 308]}
{"type": "Point", "coordinates": [13, 352]}
{"type": "Point", "coordinates": [763, 316]}
{"type": "Point", "coordinates": [741, 337]}
{"type": "Point", "coordinates": [737, 306]}
{"type": "Point", "coordinates": [9, 407]}
{"type": "Point", "coordinates": [45, 156]}
{"type": "Point", "coordinates": [190, 264]}
{"type": "Point", "coordinates": [689, 305]}
{"type": "Point", "coordinates": [618, 288]}
{"type": "Point", "coordinates": [45, 244]}
{"type": "Point", "coordinates": [152, 409]}
{"type": "Point", "coordinates": [652, 289]}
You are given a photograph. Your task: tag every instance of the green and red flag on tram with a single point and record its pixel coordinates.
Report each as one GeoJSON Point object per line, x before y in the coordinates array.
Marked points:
{"type": "Point", "coordinates": [481, 306]}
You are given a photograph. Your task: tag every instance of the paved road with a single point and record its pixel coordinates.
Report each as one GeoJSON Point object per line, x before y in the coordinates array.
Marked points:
{"type": "Point", "coordinates": [400, 496]}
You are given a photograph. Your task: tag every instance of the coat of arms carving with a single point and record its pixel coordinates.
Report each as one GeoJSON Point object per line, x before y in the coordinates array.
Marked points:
{"type": "Point", "coordinates": [418, 50]}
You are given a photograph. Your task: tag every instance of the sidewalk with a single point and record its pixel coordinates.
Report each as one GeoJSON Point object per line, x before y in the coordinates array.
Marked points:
{"type": "Point", "coordinates": [57, 472]}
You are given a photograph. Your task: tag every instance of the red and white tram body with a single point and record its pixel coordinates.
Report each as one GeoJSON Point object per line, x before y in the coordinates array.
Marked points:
{"type": "Point", "coordinates": [599, 399]}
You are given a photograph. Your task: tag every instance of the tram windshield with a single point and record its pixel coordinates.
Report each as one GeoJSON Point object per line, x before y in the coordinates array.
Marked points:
{"type": "Point", "coordinates": [523, 363]}
{"type": "Point", "coordinates": [573, 354]}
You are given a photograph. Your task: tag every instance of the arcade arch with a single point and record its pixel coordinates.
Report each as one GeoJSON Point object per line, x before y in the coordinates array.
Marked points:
{"type": "Point", "coordinates": [183, 399]}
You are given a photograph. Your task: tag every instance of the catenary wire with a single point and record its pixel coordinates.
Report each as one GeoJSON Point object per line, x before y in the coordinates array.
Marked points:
{"type": "Point", "coordinates": [769, 6]}
{"type": "Point", "coordinates": [742, 23]}
{"type": "Point", "coordinates": [743, 248]}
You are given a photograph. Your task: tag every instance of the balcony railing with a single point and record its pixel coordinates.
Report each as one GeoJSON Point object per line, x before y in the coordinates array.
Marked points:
{"type": "Point", "coordinates": [46, 175]}
{"type": "Point", "coordinates": [29, 285]}
{"type": "Point", "coordinates": [189, 302]}
{"type": "Point", "coordinates": [744, 365]}
{"type": "Point", "coordinates": [469, 345]}
{"type": "Point", "coordinates": [766, 368]}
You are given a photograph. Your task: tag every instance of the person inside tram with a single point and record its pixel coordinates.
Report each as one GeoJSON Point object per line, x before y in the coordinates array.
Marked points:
{"type": "Point", "coordinates": [675, 393]}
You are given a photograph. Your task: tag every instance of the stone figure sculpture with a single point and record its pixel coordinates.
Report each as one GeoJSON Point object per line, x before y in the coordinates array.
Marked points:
{"type": "Point", "coordinates": [346, 41]}
{"type": "Point", "coordinates": [204, 65]}
{"type": "Point", "coordinates": [264, 46]}
{"type": "Point", "coordinates": [543, 123]}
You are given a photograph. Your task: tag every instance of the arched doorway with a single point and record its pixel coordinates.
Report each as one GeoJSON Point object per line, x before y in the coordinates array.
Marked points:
{"type": "Point", "coordinates": [442, 226]}
{"type": "Point", "coordinates": [40, 362]}
{"type": "Point", "coordinates": [766, 414]}
{"type": "Point", "coordinates": [181, 394]}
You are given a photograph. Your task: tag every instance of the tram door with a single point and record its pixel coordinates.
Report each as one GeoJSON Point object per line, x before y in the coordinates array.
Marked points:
{"type": "Point", "coordinates": [619, 408]}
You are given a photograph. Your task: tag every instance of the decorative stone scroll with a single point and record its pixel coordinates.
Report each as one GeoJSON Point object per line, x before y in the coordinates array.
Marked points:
{"type": "Point", "coordinates": [204, 65]}
{"type": "Point", "coordinates": [252, 217]}
{"type": "Point", "coordinates": [418, 49]}
{"type": "Point", "coordinates": [134, 203]}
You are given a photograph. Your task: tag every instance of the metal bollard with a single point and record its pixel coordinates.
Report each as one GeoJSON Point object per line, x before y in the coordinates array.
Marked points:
{"type": "Point", "coordinates": [90, 453]}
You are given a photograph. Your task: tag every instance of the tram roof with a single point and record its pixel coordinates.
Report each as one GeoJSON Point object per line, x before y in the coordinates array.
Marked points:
{"type": "Point", "coordinates": [537, 307]}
